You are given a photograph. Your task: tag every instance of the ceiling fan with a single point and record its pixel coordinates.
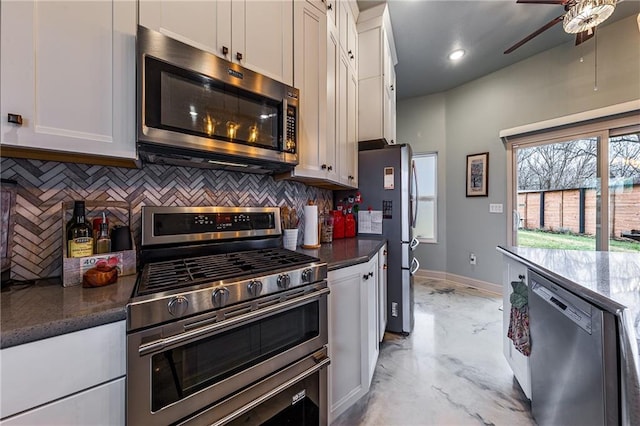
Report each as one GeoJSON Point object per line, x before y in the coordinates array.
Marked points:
{"type": "Point", "coordinates": [581, 18]}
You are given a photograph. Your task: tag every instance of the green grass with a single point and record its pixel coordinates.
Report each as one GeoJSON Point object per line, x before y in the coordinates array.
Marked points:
{"type": "Point", "coordinates": [542, 239]}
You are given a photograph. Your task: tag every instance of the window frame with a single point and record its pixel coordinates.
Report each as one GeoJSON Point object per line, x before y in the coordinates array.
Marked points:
{"type": "Point", "coordinates": [433, 198]}
{"type": "Point", "coordinates": [603, 129]}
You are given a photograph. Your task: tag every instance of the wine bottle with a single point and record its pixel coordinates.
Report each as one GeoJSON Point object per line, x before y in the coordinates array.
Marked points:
{"type": "Point", "coordinates": [79, 233]}
{"type": "Point", "coordinates": [103, 241]}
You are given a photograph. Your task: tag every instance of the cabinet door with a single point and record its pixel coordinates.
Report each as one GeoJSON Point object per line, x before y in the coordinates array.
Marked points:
{"type": "Point", "coordinates": [332, 13]}
{"type": "Point", "coordinates": [382, 292]}
{"type": "Point", "coordinates": [262, 33]}
{"type": "Point", "coordinates": [68, 68]}
{"type": "Point", "coordinates": [513, 271]}
{"type": "Point", "coordinates": [348, 369]}
{"type": "Point", "coordinates": [342, 143]}
{"type": "Point", "coordinates": [352, 42]}
{"type": "Point", "coordinates": [311, 79]}
{"type": "Point", "coordinates": [202, 24]}
{"type": "Point", "coordinates": [333, 96]}
{"type": "Point", "coordinates": [370, 301]}
{"type": "Point", "coordinates": [352, 131]}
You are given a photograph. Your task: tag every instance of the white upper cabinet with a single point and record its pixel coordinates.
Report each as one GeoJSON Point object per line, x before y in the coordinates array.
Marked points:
{"type": "Point", "coordinates": [255, 34]}
{"type": "Point", "coordinates": [348, 32]}
{"type": "Point", "coordinates": [68, 72]}
{"type": "Point", "coordinates": [376, 74]}
{"type": "Point", "coordinates": [310, 77]}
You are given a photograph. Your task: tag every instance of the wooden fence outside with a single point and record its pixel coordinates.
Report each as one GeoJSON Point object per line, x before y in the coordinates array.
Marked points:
{"type": "Point", "coordinates": [574, 210]}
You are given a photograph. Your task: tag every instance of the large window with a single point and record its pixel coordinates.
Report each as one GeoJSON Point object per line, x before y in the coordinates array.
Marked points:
{"type": "Point", "coordinates": [577, 189]}
{"type": "Point", "coordinates": [427, 171]}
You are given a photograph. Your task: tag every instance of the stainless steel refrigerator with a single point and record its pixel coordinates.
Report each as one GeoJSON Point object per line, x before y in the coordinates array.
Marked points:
{"type": "Point", "coordinates": [387, 182]}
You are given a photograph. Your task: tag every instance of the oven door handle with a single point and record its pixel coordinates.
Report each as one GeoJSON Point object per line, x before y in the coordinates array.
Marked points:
{"type": "Point", "coordinates": [161, 344]}
{"type": "Point", "coordinates": [250, 406]}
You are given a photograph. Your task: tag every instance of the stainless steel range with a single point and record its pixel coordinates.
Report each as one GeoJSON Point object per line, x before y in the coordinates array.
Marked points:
{"type": "Point", "coordinates": [225, 326]}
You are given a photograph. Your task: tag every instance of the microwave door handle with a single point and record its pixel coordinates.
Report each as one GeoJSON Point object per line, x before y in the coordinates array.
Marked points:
{"type": "Point", "coordinates": [283, 138]}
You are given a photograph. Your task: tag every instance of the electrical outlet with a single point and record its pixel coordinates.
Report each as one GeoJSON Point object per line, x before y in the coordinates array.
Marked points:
{"type": "Point", "coordinates": [495, 208]}
{"type": "Point", "coordinates": [472, 258]}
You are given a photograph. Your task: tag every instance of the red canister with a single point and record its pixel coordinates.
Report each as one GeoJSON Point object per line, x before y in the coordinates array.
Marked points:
{"type": "Point", "coordinates": [349, 226]}
{"type": "Point", "coordinates": [338, 224]}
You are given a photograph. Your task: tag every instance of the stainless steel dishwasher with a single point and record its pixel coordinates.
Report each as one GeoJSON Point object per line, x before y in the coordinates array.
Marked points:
{"type": "Point", "coordinates": [574, 375]}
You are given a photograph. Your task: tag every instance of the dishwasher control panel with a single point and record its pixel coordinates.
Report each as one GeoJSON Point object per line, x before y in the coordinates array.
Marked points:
{"type": "Point", "coordinates": [562, 301]}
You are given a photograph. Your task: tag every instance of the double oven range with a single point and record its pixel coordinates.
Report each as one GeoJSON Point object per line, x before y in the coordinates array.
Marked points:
{"type": "Point", "coordinates": [225, 326]}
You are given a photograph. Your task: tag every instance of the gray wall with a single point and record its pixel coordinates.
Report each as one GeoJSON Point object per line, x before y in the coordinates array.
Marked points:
{"type": "Point", "coordinates": [552, 84]}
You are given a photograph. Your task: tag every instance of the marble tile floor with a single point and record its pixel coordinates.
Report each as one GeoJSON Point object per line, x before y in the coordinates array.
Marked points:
{"type": "Point", "coordinates": [449, 371]}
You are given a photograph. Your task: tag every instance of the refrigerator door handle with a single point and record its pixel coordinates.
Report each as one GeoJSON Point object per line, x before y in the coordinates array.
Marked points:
{"type": "Point", "coordinates": [414, 243]}
{"type": "Point", "coordinates": [415, 265]}
{"type": "Point", "coordinates": [414, 195]}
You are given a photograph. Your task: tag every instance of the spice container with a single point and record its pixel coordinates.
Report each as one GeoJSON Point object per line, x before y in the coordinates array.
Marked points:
{"type": "Point", "coordinates": [326, 230]}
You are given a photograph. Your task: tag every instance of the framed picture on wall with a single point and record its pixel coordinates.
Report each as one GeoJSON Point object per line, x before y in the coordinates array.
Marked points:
{"type": "Point", "coordinates": [478, 175]}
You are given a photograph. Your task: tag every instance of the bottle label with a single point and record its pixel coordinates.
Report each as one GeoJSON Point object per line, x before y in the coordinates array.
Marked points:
{"type": "Point", "coordinates": [81, 247]}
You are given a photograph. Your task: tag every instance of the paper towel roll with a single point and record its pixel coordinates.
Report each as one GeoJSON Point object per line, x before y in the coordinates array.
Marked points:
{"type": "Point", "coordinates": [311, 226]}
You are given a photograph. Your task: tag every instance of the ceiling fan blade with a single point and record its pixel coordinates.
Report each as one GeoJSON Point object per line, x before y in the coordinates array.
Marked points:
{"type": "Point", "coordinates": [583, 36]}
{"type": "Point", "coordinates": [543, 1]}
{"type": "Point", "coordinates": [534, 34]}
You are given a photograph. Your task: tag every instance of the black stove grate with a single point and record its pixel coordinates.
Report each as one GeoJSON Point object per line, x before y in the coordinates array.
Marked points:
{"type": "Point", "coordinates": [175, 274]}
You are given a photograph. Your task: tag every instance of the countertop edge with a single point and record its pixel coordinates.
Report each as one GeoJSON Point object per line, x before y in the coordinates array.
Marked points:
{"type": "Point", "coordinates": [38, 332]}
{"type": "Point", "coordinates": [357, 260]}
{"type": "Point", "coordinates": [589, 295]}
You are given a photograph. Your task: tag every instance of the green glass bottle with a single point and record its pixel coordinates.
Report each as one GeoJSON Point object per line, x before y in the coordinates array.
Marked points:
{"type": "Point", "coordinates": [79, 233]}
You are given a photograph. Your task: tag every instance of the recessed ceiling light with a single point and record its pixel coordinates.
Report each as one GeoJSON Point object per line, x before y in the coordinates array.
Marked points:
{"type": "Point", "coordinates": [456, 54]}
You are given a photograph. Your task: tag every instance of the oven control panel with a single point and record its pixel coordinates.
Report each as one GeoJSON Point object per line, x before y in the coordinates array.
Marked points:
{"type": "Point", "coordinates": [175, 225]}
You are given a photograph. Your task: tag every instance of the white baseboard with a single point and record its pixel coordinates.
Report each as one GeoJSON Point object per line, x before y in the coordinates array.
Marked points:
{"type": "Point", "coordinates": [462, 280]}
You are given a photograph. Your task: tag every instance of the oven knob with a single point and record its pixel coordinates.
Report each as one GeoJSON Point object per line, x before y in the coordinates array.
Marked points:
{"type": "Point", "coordinates": [220, 297]}
{"type": "Point", "coordinates": [283, 281]}
{"type": "Point", "coordinates": [254, 287]}
{"type": "Point", "coordinates": [178, 306]}
{"type": "Point", "coordinates": [307, 275]}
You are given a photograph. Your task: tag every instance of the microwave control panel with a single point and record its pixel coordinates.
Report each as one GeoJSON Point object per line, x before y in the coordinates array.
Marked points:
{"type": "Point", "coordinates": [290, 140]}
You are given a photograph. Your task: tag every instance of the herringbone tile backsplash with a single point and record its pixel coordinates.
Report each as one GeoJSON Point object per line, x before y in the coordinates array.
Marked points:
{"type": "Point", "coordinates": [44, 185]}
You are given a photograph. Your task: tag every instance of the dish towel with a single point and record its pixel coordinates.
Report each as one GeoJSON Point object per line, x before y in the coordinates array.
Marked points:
{"type": "Point", "coordinates": [519, 318]}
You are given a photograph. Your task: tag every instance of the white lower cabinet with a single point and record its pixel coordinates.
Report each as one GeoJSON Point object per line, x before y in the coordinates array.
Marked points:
{"type": "Point", "coordinates": [353, 333]}
{"type": "Point", "coordinates": [382, 291]}
{"type": "Point", "coordinates": [101, 405]}
{"type": "Point", "coordinates": [74, 378]}
{"type": "Point", "coordinates": [514, 271]}
{"type": "Point", "coordinates": [370, 278]}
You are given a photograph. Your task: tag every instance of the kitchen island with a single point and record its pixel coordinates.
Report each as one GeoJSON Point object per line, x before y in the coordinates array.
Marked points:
{"type": "Point", "coordinates": [609, 281]}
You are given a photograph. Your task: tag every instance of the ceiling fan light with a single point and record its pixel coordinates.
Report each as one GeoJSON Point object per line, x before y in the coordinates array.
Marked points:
{"type": "Point", "coordinates": [456, 54]}
{"type": "Point", "coordinates": [587, 14]}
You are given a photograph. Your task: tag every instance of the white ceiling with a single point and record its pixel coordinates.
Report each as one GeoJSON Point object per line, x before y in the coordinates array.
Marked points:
{"type": "Point", "coordinates": [426, 31]}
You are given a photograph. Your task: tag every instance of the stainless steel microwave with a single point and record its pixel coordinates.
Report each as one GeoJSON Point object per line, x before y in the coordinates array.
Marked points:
{"type": "Point", "coordinates": [196, 109]}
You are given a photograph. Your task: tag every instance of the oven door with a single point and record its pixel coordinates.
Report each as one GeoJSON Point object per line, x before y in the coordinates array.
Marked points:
{"type": "Point", "coordinates": [177, 369]}
{"type": "Point", "coordinates": [296, 395]}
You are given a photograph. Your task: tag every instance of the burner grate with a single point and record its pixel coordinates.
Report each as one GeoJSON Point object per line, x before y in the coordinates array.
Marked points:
{"type": "Point", "coordinates": [174, 274]}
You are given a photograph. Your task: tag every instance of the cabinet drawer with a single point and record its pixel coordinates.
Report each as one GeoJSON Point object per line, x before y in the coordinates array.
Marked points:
{"type": "Point", "coordinates": [39, 372]}
{"type": "Point", "coordinates": [102, 405]}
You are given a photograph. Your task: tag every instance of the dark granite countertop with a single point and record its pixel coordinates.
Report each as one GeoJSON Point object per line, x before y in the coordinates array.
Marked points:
{"type": "Point", "coordinates": [610, 281]}
{"type": "Point", "coordinates": [44, 308]}
{"type": "Point", "coordinates": [346, 251]}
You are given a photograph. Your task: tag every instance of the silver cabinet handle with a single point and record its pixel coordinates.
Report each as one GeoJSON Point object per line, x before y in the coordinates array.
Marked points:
{"type": "Point", "coordinates": [414, 243]}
